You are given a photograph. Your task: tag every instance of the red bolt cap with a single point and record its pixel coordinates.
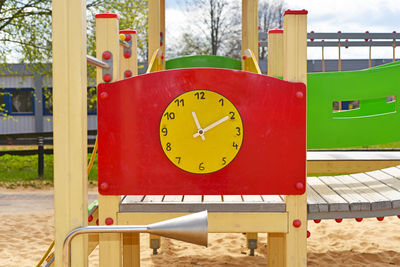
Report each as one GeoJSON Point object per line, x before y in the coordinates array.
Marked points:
{"type": "Point", "coordinates": [128, 37]}
{"type": "Point", "coordinates": [359, 219]}
{"type": "Point", "coordinates": [128, 73]}
{"type": "Point", "coordinates": [394, 32]}
{"type": "Point", "coordinates": [338, 220]}
{"type": "Point", "coordinates": [317, 220]}
{"type": "Point", "coordinates": [339, 32]}
{"type": "Point", "coordinates": [90, 218]}
{"type": "Point", "coordinates": [161, 43]}
{"type": "Point", "coordinates": [366, 39]}
{"type": "Point", "coordinates": [103, 95]}
{"type": "Point", "coordinates": [308, 234]}
{"type": "Point", "coordinates": [107, 78]}
{"type": "Point", "coordinates": [347, 41]}
{"type": "Point", "coordinates": [161, 33]}
{"type": "Point", "coordinates": [162, 57]}
{"type": "Point", "coordinates": [10, 143]}
{"type": "Point", "coordinates": [243, 57]}
{"type": "Point", "coordinates": [299, 94]}
{"type": "Point", "coordinates": [297, 223]}
{"type": "Point", "coordinates": [97, 222]}
{"type": "Point", "coordinates": [259, 44]}
{"type": "Point", "coordinates": [104, 186]}
{"type": "Point", "coordinates": [312, 40]}
{"type": "Point", "coordinates": [127, 54]}
{"type": "Point", "coordinates": [299, 186]}
{"type": "Point", "coordinates": [398, 216]}
{"type": "Point", "coordinates": [259, 27]}
{"type": "Point", "coordinates": [106, 55]}
{"type": "Point", "coordinates": [109, 221]}
{"type": "Point", "coordinates": [380, 218]}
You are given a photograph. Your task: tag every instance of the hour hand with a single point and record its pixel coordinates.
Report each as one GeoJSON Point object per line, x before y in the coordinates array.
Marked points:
{"type": "Point", "coordinates": [209, 127]}
{"type": "Point", "coordinates": [200, 131]}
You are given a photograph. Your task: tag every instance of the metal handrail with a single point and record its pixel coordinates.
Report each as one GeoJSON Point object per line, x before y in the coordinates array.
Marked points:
{"type": "Point", "coordinates": [97, 62]}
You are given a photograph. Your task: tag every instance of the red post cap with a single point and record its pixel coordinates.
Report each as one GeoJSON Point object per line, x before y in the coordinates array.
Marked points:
{"type": "Point", "coordinates": [295, 12]}
{"type": "Point", "coordinates": [297, 223]}
{"type": "Point", "coordinates": [127, 31]}
{"type": "Point", "coordinates": [107, 15]}
{"type": "Point", "coordinates": [276, 30]}
{"type": "Point", "coordinates": [109, 221]}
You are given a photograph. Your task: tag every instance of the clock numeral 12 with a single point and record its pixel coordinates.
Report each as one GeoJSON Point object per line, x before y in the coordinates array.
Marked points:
{"type": "Point", "coordinates": [201, 167]}
{"type": "Point", "coordinates": [180, 102]}
{"type": "Point", "coordinates": [235, 145]}
{"type": "Point", "coordinates": [200, 95]}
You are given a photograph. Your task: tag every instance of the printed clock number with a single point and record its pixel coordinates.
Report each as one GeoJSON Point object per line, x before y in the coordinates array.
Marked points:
{"type": "Point", "coordinates": [235, 145]}
{"type": "Point", "coordinates": [180, 102]}
{"type": "Point", "coordinates": [238, 131]}
{"type": "Point", "coordinates": [169, 115]}
{"type": "Point", "coordinates": [232, 114]}
{"type": "Point", "coordinates": [223, 160]}
{"type": "Point", "coordinates": [200, 95]}
{"type": "Point", "coordinates": [168, 147]}
{"type": "Point", "coordinates": [164, 131]}
{"type": "Point", "coordinates": [201, 167]}
{"type": "Point", "coordinates": [179, 159]}
{"type": "Point", "coordinates": [221, 101]}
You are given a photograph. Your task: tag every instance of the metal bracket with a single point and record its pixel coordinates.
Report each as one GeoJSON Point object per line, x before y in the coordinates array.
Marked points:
{"type": "Point", "coordinates": [155, 244]}
{"type": "Point", "coordinates": [252, 245]}
{"type": "Point", "coordinates": [108, 70]}
{"type": "Point", "coordinates": [129, 48]}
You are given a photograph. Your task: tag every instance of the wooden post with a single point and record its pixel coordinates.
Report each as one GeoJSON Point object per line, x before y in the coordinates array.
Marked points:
{"type": "Point", "coordinates": [323, 59]}
{"type": "Point", "coordinates": [107, 33]}
{"type": "Point", "coordinates": [250, 27]}
{"type": "Point", "coordinates": [275, 53]}
{"type": "Point", "coordinates": [154, 27]}
{"type": "Point", "coordinates": [295, 70]}
{"type": "Point", "coordinates": [70, 126]}
{"type": "Point", "coordinates": [162, 31]}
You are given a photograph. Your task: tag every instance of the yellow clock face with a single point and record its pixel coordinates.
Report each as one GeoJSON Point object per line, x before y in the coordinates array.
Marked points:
{"type": "Point", "coordinates": [201, 131]}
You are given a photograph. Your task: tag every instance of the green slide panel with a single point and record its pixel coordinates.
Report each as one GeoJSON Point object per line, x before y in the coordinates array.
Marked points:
{"type": "Point", "coordinates": [375, 121]}
{"type": "Point", "coordinates": [203, 61]}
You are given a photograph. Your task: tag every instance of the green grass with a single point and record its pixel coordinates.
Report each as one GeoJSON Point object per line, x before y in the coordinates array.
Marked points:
{"type": "Point", "coordinates": [23, 171]}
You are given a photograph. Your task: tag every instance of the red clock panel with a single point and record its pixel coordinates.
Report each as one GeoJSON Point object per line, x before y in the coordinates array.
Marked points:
{"type": "Point", "coordinates": [271, 160]}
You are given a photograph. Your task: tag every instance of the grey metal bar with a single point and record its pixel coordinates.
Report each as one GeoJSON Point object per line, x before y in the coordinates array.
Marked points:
{"type": "Point", "coordinates": [124, 44]}
{"type": "Point", "coordinates": [97, 62]}
{"type": "Point", "coordinates": [345, 43]}
{"type": "Point", "coordinates": [343, 35]}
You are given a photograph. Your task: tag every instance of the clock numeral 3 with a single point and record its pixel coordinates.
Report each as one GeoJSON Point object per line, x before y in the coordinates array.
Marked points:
{"type": "Point", "coordinates": [164, 131]}
{"type": "Point", "coordinates": [200, 95]}
{"type": "Point", "coordinates": [232, 115]}
{"type": "Point", "coordinates": [179, 159]}
{"type": "Point", "coordinates": [180, 102]}
{"type": "Point", "coordinates": [223, 160]}
{"type": "Point", "coordinates": [235, 145]}
{"type": "Point", "coordinates": [201, 167]}
{"type": "Point", "coordinates": [168, 147]}
{"type": "Point", "coordinates": [238, 131]}
{"type": "Point", "coordinates": [169, 115]}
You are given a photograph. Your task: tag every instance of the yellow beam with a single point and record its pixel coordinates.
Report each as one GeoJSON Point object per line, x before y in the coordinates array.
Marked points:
{"type": "Point", "coordinates": [275, 53]}
{"type": "Point", "coordinates": [162, 30]}
{"type": "Point", "coordinates": [154, 27]}
{"type": "Point", "coordinates": [250, 27]}
{"type": "Point", "coordinates": [219, 222]}
{"type": "Point", "coordinates": [70, 126]}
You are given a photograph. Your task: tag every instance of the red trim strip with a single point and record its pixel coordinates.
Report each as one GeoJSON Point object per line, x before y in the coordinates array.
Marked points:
{"type": "Point", "coordinates": [296, 12]}
{"type": "Point", "coordinates": [275, 31]}
{"type": "Point", "coordinates": [127, 31]}
{"type": "Point", "coordinates": [107, 16]}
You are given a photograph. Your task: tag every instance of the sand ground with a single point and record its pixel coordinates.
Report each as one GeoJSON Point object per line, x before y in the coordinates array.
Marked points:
{"type": "Point", "coordinates": [27, 227]}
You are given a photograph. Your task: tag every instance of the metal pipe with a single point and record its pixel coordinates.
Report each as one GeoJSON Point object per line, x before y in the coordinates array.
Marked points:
{"type": "Point", "coordinates": [97, 62]}
{"type": "Point", "coordinates": [124, 44]}
{"type": "Point", "coordinates": [97, 230]}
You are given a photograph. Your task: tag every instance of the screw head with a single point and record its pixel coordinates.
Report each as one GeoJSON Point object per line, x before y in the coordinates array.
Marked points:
{"type": "Point", "coordinates": [109, 221]}
{"type": "Point", "coordinates": [103, 95]}
{"type": "Point", "coordinates": [128, 73]}
{"type": "Point", "coordinates": [97, 222]}
{"type": "Point", "coordinates": [299, 186]}
{"type": "Point", "coordinates": [299, 94]}
{"type": "Point", "coordinates": [161, 43]}
{"type": "Point", "coordinates": [359, 219]}
{"type": "Point", "coordinates": [104, 186]}
{"type": "Point", "coordinates": [107, 78]}
{"type": "Point", "coordinates": [398, 216]}
{"type": "Point", "coordinates": [338, 220]}
{"type": "Point", "coordinates": [297, 223]}
{"type": "Point", "coordinates": [308, 234]}
{"type": "Point", "coordinates": [244, 57]}
{"type": "Point", "coordinates": [90, 218]}
{"type": "Point", "coordinates": [380, 218]}
{"type": "Point", "coordinates": [106, 55]}
{"type": "Point", "coordinates": [128, 37]}
{"type": "Point", "coordinates": [317, 220]}
{"type": "Point", "coordinates": [127, 54]}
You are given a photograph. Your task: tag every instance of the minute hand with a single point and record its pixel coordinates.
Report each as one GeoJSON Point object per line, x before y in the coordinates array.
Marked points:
{"type": "Point", "coordinates": [212, 125]}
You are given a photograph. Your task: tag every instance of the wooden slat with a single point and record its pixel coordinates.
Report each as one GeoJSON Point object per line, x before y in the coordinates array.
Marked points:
{"type": "Point", "coordinates": [132, 199]}
{"type": "Point", "coordinates": [173, 198]}
{"type": "Point", "coordinates": [386, 185]}
{"type": "Point", "coordinates": [192, 198]}
{"type": "Point", "coordinates": [272, 199]}
{"type": "Point", "coordinates": [252, 198]}
{"type": "Point", "coordinates": [233, 199]}
{"type": "Point", "coordinates": [212, 198]}
{"type": "Point", "coordinates": [153, 198]}
{"type": "Point", "coordinates": [394, 171]}
{"type": "Point", "coordinates": [355, 200]}
{"type": "Point", "coordinates": [315, 202]}
{"type": "Point", "coordinates": [335, 202]}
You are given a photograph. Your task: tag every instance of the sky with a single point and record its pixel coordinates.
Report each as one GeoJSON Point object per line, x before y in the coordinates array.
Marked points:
{"type": "Point", "coordinates": [323, 16]}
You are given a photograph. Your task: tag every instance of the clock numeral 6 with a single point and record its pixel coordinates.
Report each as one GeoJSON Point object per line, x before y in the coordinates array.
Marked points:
{"type": "Point", "coordinates": [201, 167]}
{"type": "Point", "coordinates": [168, 147]}
{"type": "Point", "coordinates": [169, 115]}
{"type": "Point", "coordinates": [223, 160]}
{"type": "Point", "coordinates": [200, 95]}
{"type": "Point", "coordinates": [235, 145]}
{"type": "Point", "coordinates": [232, 115]}
{"type": "Point", "coordinates": [164, 131]}
{"type": "Point", "coordinates": [180, 102]}
{"type": "Point", "coordinates": [238, 131]}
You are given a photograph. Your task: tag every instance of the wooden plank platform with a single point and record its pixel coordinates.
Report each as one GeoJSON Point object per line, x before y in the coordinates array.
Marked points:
{"type": "Point", "coordinates": [361, 195]}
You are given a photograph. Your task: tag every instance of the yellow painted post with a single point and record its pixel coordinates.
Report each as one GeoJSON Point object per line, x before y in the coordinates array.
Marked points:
{"type": "Point", "coordinates": [107, 31]}
{"type": "Point", "coordinates": [154, 27]}
{"type": "Point", "coordinates": [131, 250]}
{"type": "Point", "coordinates": [250, 27]}
{"type": "Point", "coordinates": [128, 57]}
{"type": "Point", "coordinates": [162, 31]}
{"type": "Point", "coordinates": [70, 126]}
{"type": "Point", "coordinates": [275, 53]}
{"type": "Point", "coordinates": [295, 70]}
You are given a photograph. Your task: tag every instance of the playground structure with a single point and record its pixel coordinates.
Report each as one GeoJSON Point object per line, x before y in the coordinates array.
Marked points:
{"type": "Point", "coordinates": [285, 220]}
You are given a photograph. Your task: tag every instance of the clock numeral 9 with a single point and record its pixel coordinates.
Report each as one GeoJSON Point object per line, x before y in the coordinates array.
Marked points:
{"type": "Point", "coordinates": [168, 147]}
{"type": "Point", "coordinates": [232, 115]}
{"type": "Point", "coordinates": [180, 102]}
{"type": "Point", "coordinates": [221, 101]}
{"type": "Point", "coordinates": [200, 95]}
{"type": "Point", "coordinates": [169, 115]}
{"type": "Point", "coordinates": [235, 145]}
{"type": "Point", "coordinates": [223, 160]}
{"type": "Point", "coordinates": [238, 131]}
{"type": "Point", "coordinates": [164, 131]}
{"type": "Point", "coordinates": [201, 167]}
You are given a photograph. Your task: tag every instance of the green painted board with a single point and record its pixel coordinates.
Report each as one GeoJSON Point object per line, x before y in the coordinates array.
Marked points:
{"type": "Point", "coordinates": [203, 61]}
{"type": "Point", "coordinates": [376, 121]}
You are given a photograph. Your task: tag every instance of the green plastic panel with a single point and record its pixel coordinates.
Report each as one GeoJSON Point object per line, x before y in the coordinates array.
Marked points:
{"type": "Point", "coordinates": [203, 61]}
{"type": "Point", "coordinates": [376, 121]}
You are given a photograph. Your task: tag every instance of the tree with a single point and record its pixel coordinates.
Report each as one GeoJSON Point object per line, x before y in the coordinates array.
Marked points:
{"type": "Point", "coordinates": [213, 27]}
{"type": "Point", "coordinates": [270, 16]}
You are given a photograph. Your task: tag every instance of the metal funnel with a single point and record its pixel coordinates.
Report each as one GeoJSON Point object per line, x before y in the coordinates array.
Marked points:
{"type": "Point", "coordinates": [192, 228]}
